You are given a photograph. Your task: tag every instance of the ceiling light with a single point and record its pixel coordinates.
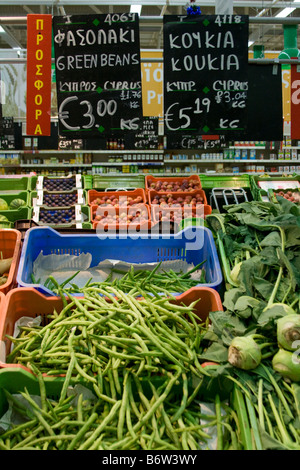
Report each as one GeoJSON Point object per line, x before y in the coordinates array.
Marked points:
{"type": "Point", "coordinates": [285, 12]}
{"type": "Point", "coordinates": [2, 30]}
{"type": "Point", "coordinates": [136, 9]}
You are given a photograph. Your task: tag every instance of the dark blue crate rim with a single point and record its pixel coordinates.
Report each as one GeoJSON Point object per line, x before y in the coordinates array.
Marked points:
{"type": "Point", "coordinates": [192, 244]}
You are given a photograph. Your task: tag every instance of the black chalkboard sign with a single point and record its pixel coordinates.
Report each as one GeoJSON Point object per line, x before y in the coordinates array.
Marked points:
{"type": "Point", "coordinates": [147, 137]}
{"type": "Point", "coordinates": [205, 74]}
{"type": "Point", "coordinates": [264, 108]}
{"type": "Point", "coordinates": [185, 141]}
{"type": "Point", "coordinates": [98, 74]}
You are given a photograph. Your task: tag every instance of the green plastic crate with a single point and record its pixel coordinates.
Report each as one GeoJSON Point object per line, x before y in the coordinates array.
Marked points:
{"type": "Point", "coordinates": [14, 215]}
{"type": "Point", "coordinates": [117, 182]}
{"type": "Point", "coordinates": [239, 181]}
{"type": "Point", "coordinates": [261, 194]}
{"type": "Point", "coordinates": [15, 380]}
{"type": "Point", "coordinates": [9, 197]}
{"type": "Point", "coordinates": [15, 184]}
{"type": "Point", "coordinates": [87, 181]}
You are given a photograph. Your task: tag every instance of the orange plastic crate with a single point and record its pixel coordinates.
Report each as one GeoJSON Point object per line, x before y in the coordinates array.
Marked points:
{"type": "Point", "coordinates": [92, 195]}
{"type": "Point", "coordinates": [155, 194]}
{"type": "Point", "coordinates": [10, 246]}
{"type": "Point", "coordinates": [161, 214]}
{"type": "Point", "coordinates": [149, 179]}
{"type": "Point", "coordinates": [111, 211]}
{"type": "Point", "coordinates": [27, 301]}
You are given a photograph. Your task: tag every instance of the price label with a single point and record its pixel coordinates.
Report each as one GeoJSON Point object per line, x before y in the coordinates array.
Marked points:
{"type": "Point", "coordinates": [98, 76]}
{"type": "Point", "coordinates": [205, 74]}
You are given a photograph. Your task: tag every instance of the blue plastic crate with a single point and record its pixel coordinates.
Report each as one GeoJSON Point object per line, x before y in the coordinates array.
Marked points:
{"type": "Point", "coordinates": [193, 244]}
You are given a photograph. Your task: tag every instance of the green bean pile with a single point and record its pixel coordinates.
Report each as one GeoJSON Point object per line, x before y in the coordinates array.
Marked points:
{"type": "Point", "coordinates": [97, 336]}
{"type": "Point", "coordinates": [134, 421]}
{"type": "Point", "coordinates": [118, 346]}
{"type": "Point", "coordinates": [139, 281]}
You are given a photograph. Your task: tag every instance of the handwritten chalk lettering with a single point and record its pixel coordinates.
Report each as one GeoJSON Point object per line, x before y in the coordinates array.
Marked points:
{"type": "Point", "coordinates": [116, 18]}
{"type": "Point", "coordinates": [113, 60]}
{"type": "Point", "coordinates": [207, 40]}
{"type": "Point", "coordinates": [209, 62]}
{"type": "Point", "coordinates": [121, 85]}
{"type": "Point", "coordinates": [134, 104]}
{"type": "Point", "coordinates": [227, 97]}
{"type": "Point", "coordinates": [226, 124]}
{"type": "Point", "coordinates": [239, 104]}
{"type": "Point", "coordinates": [129, 124]}
{"type": "Point", "coordinates": [181, 86]}
{"type": "Point", "coordinates": [81, 37]}
{"type": "Point", "coordinates": [228, 85]}
{"type": "Point", "coordinates": [76, 62]}
{"type": "Point", "coordinates": [77, 86]}
{"type": "Point", "coordinates": [183, 114]}
{"type": "Point", "coordinates": [188, 143]}
{"type": "Point", "coordinates": [103, 108]}
{"type": "Point", "coordinates": [228, 19]}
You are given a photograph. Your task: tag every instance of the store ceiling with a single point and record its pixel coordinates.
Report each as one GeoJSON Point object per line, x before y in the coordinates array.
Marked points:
{"type": "Point", "coordinates": [13, 18]}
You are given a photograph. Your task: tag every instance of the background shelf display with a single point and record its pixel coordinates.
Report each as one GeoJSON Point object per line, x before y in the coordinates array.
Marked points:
{"type": "Point", "coordinates": [160, 162]}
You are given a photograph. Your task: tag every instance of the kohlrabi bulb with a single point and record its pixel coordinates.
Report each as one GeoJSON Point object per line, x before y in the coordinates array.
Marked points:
{"type": "Point", "coordinates": [244, 353]}
{"type": "Point", "coordinates": [288, 332]}
{"type": "Point", "coordinates": [287, 364]}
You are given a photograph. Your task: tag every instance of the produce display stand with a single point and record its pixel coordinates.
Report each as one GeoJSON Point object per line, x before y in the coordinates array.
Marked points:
{"type": "Point", "coordinates": [10, 247]}
{"type": "Point", "coordinates": [193, 246]}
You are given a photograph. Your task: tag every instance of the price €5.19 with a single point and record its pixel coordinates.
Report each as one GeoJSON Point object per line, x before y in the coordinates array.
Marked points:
{"type": "Point", "coordinates": [178, 117]}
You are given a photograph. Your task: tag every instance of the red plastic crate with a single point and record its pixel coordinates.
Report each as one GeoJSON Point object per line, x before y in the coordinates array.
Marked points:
{"type": "Point", "coordinates": [92, 195]}
{"type": "Point", "coordinates": [10, 246]}
{"type": "Point", "coordinates": [149, 179]}
{"type": "Point", "coordinates": [27, 301]}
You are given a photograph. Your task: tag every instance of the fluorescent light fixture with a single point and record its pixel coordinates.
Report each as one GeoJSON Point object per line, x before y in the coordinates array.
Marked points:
{"type": "Point", "coordinates": [136, 9]}
{"type": "Point", "coordinates": [2, 30]}
{"type": "Point", "coordinates": [285, 12]}
{"type": "Point", "coordinates": [250, 43]}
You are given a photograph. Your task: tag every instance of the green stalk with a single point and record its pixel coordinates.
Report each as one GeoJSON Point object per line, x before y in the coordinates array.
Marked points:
{"type": "Point", "coordinates": [253, 422]}
{"type": "Point", "coordinates": [279, 392]}
{"type": "Point", "coordinates": [260, 404]}
{"type": "Point", "coordinates": [286, 440]}
{"type": "Point", "coordinates": [239, 406]}
{"type": "Point", "coordinates": [219, 423]}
